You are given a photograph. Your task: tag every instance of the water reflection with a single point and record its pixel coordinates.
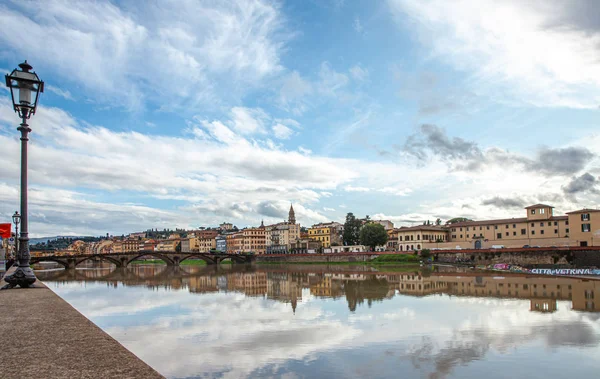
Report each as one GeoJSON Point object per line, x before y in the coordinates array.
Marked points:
{"type": "Point", "coordinates": [317, 321]}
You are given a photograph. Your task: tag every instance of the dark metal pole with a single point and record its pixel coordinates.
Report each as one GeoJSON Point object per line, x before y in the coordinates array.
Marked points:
{"type": "Point", "coordinates": [16, 239]}
{"type": "Point", "coordinates": [23, 275]}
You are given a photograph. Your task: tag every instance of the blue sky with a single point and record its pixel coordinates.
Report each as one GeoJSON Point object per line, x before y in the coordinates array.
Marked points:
{"type": "Point", "coordinates": [193, 114]}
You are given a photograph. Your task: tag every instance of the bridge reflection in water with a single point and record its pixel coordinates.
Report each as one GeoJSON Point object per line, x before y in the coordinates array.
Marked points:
{"type": "Point", "coordinates": [359, 285]}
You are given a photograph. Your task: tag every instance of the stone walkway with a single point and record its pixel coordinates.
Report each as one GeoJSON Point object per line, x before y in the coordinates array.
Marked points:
{"type": "Point", "coordinates": [45, 337]}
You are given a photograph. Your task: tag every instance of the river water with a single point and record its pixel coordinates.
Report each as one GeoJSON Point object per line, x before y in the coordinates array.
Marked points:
{"type": "Point", "coordinates": [342, 321]}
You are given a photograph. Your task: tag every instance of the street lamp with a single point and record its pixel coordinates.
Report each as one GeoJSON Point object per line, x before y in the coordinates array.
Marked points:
{"type": "Point", "coordinates": [25, 86]}
{"type": "Point", "coordinates": [16, 220]}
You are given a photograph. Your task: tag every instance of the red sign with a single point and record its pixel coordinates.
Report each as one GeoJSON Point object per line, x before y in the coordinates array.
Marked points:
{"type": "Point", "coordinates": [5, 230]}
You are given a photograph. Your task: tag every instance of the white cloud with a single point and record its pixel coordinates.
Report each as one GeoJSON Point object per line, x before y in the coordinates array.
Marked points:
{"type": "Point", "coordinates": [167, 51]}
{"type": "Point", "coordinates": [358, 73]}
{"type": "Point", "coordinates": [293, 92]}
{"type": "Point", "coordinates": [526, 51]}
{"type": "Point", "coordinates": [357, 25]}
{"type": "Point", "coordinates": [304, 150]}
{"type": "Point", "coordinates": [282, 132]}
{"type": "Point", "coordinates": [356, 189]}
{"type": "Point", "coordinates": [60, 92]}
{"type": "Point", "coordinates": [248, 121]}
{"type": "Point", "coordinates": [331, 81]}
{"type": "Point", "coordinates": [326, 209]}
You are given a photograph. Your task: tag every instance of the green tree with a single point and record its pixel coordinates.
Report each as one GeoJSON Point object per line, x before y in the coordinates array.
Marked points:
{"type": "Point", "coordinates": [352, 226]}
{"type": "Point", "coordinates": [178, 247]}
{"type": "Point", "coordinates": [438, 221]}
{"type": "Point", "coordinates": [457, 219]}
{"type": "Point", "coordinates": [425, 253]}
{"type": "Point", "coordinates": [373, 235]}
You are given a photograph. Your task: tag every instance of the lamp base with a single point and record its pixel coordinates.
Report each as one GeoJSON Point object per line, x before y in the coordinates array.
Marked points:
{"type": "Point", "coordinates": [22, 277]}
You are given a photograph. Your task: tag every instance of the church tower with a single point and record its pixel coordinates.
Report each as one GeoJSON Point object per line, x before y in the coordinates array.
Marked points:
{"type": "Point", "coordinates": [292, 216]}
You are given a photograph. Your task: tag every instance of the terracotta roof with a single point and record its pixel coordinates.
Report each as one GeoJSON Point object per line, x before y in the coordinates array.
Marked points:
{"type": "Point", "coordinates": [539, 206]}
{"type": "Point", "coordinates": [488, 222]}
{"type": "Point", "coordinates": [584, 210]}
{"type": "Point", "coordinates": [421, 227]}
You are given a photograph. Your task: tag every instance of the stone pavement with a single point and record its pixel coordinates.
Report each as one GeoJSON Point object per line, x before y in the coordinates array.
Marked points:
{"type": "Point", "coordinates": [42, 336]}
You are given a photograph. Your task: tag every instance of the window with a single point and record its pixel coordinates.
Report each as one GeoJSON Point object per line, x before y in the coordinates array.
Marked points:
{"type": "Point", "coordinates": [506, 226]}
{"type": "Point", "coordinates": [567, 222]}
{"type": "Point", "coordinates": [555, 223]}
{"type": "Point", "coordinates": [533, 211]}
{"type": "Point", "coordinates": [523, 232]}
{"type": "Point", "coordinates": [514, 226]}
{"type": "Point", "coordinates": [585, 227]}
{"type": "Point", "coordinates": [461, 229]}
{"type": "Point", "coordinates": [418, 237]}
{"type": "Point", "coordinates": [555, 231]}
{"type": "Point", "coordinates": [542, 211]}
{"type": "Point", "coordinates": [467, 236]}
{"type": "Point", "coordinates": [454, 229]}
{"type": "Point", "coordinates": [495, 226]}
{"type": "Point", "coordinates": [454, 236]}
{"type": "Point", "coordinates": [514, 233]}
{"type": "Point", "coordinates": [487, 227]}
{"type": "Point", "coordinates": [567, 230]}
{"type": "Point", "coordinates": [467, 228]}
{"type": "Point", "coordinates": [541, 224]}
{"type": "Point", "coordinates": [499, 236]}
{"type": "Point", "coordinates": [481, 228]}
{"type": "Point", "coordinates": [507, 234]}
{"type": "Point", "coordinates": [533, 232]}
{"type": "Point", "coordinates": [585, 217]}
{"type": "Point", "coordinates": [532, 224]}
{"type": "Point", "coordinates": [461, 236]}
{"type": "Point", "coordinates": [541, 232]}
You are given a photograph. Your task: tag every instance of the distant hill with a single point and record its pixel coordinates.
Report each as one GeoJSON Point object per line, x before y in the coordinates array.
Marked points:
{"type": "Point", "coordinates": [33, 241]}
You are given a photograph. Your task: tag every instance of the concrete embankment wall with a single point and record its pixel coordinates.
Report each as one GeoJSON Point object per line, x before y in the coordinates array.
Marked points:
{"type": "Point", "coordinates": [572, 257]}
{"type": "Point", "coordinates": [45, 337]}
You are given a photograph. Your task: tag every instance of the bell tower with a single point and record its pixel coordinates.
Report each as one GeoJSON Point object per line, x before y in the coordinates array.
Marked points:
{"type": "Point", "coordinates": [292, 216]}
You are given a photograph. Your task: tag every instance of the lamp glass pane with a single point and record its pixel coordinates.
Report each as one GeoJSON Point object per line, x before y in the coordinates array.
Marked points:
{"type": "Point", "coordinates": [24, 94]}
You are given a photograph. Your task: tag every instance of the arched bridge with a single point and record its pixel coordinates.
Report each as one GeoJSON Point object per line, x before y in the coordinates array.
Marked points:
{"type": "Point", "coordinates": [124, 259]}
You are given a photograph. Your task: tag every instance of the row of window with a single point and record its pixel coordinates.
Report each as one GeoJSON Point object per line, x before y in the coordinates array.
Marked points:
{"type": "Point", "coordinates": [508, 226]}
{"type": "Point", "coordinates": [523, 232]}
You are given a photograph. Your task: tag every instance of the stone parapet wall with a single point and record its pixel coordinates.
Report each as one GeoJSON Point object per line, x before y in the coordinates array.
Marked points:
{"type": "Point", "coordinates": [572, 257]}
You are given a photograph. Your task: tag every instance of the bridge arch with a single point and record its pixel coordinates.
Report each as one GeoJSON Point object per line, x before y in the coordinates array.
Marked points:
{"type": "Point", "coordinates": [164, 258]}
{"type": "Point", "coordinates": [101, 257]}
{"type": "Point", "coordinates": [206, 258]}
{"type": "Point", "coordinates": [61, 262]}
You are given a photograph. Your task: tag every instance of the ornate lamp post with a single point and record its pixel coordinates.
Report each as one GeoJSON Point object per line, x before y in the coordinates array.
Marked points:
{"type": "Point", "coordinates": [25, 87]}
{"type": "Point", "coordinates": [16, 220]}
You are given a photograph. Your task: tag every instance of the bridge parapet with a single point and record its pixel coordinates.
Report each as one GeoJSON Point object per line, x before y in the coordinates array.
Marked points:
{"type": "Point", "coordinates": [124, 259]}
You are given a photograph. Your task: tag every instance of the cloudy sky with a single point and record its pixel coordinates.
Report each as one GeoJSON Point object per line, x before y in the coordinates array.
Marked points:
{"type": "Point", "coordinates": [209, 111]}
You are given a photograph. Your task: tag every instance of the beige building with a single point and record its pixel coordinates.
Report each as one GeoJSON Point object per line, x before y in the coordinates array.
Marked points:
{"type": "Point", "coordinates": [254, 240]}
{"type": "Point", "coordinates": [130, 245]}
{"type": "Point", "coordinates": [540, 226]}
{"type": "Point", "coordinates": [188, 244]}
{"type": "Point", "coordinates": [280, 237]}
{"type": "Point", "coordinates": [235, 242]}
{"type": "Point", "coordinates": [167, 245]}
{"type": "Point", "coordinates": [327, 233]}
{"type": "Point", "coordinates": [206, 244]}
{"type": "Point", "coordinates": [415, 237]}
{"type": "Point", "coordinates": [226, 226]}
{"type": "Point", "coordinates": [584, 227]}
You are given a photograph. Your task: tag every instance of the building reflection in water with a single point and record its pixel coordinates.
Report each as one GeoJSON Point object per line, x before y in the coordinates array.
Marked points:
{"type": "Point", "coordinates": [359, 287]}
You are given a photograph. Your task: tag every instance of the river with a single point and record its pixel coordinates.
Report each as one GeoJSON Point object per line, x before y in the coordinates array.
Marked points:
{"type": "Point", "coordinates": [314, 321]}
